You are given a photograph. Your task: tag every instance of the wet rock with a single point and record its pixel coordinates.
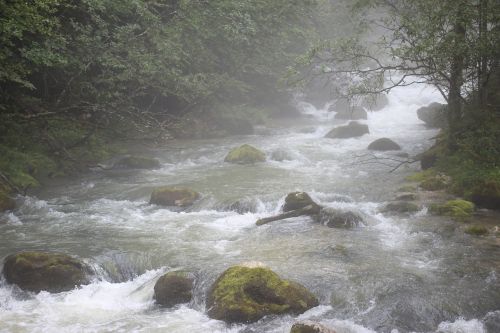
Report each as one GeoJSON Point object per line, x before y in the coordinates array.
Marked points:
{"type": "Point", "coordinates": [245, 154]}
{"type": "Point", "coordinates": [53, 272]}
{"type": "Point", "coordinates": [406, 197]}
{"type": "Point", "coordinates": [246, 293]}
{"type": "Point", "coordinates": [174, 288]}
{"type": "Point", "coordinates": [351, 130]}
{"type": "Point", "coordinates": [241, 206]}
{"type": "Point", "coordinates": [297, 200]}
{"type": "Point", "coordinates": [354, 113]}
{"type": "Point", "coordinates": [335, 218]}
{"type": "Point", "coordinates": [384, 144]}
{"type": "Point", "coordinates": [375, 103]}
{"type": "Point", "coordinates": [6, 202]}
{"type": "Point", "coordinates": [135, 162]}
{"type": "Point", "coordinates": [457, 209]}
{"type": "Point", "coordinates": [401, 207]}
{"type": "Point", "coordinates": [310, 327]}
{"type": "Point", "coordinates": [173, 196]}
{"type": "Point", "coordinates": [476, 230]}
{"type": "Point", "coordinates": [433, 115]}
{"type": "Point", "coordinates": [487, 194]}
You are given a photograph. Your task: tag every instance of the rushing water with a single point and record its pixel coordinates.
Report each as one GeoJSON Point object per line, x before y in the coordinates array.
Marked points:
{"type": "Point", "coordinates": [394, 274]}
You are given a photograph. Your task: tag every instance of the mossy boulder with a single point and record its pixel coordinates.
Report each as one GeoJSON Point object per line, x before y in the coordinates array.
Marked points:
{"type": "Point", "coordinates": [6, 202]}
{"type": "Point", "coordinates": [174, 288]}
{"type": "Point", "coordinates": [384, 144]}
{"type": "Point", "coordinates": [435, 182]}
{"type": "Point", "coordinates": [136, 162]}
{"type": "Point", "coordinates": [476, 230]}
{"type": "Point", "coordinates": [310, 327]}
{"type": "Point", "coordinates": [245, 154]}
{"type": "Point", "coordinates": [458, 209]}
{"type": "Point", "coordinates": [406, 196]}
{"type": "Point", "coordinates": [351, 130]}
{"type": "Point", "coordinates": [401, 207]}
{"type": "Point", "coordinates": [352, 113]}
{"type": "Point", "coordinates": [173, 196]}
{"type": "Point", "coordinates": [433, 115]}
{"type": "Point", "coordinates": [37, 271]}
{"type": "Point", "coordinates": [334, 218]}
{"type": "Point", "coordinates": [298, 200]}
{"type": "Point", "coordinates": [246, 293]}
{"type": "Point", "coordinates": [486, 195]}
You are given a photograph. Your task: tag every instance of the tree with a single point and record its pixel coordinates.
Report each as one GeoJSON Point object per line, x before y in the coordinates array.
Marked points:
{"type": "Point", "coordinates": [453, 45]}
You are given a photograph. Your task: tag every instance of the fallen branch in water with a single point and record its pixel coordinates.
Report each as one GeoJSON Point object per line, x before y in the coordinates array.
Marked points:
{"type": "Point", "coordinates": [374, 159]}
{"type": "Point", "coordinates": [308, 210]}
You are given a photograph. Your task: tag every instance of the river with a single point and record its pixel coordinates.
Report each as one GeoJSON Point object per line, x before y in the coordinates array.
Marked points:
{"type": "Point", "coordinates": [415, 273]}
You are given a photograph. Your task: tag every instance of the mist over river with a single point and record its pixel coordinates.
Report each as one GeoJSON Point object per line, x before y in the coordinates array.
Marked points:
{"type": "Point", "coordinates": [395, 273]}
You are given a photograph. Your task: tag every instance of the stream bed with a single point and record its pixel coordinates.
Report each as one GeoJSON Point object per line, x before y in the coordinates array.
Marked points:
{"type": "Point", "coordinates": [396, 273]}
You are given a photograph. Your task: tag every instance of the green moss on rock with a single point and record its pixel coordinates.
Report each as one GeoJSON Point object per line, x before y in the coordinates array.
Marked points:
{"type": "Point", "coordinates": [173, 196]}
{"type": "Point", "coordinates": [174, 288]}
{"type": "Point", "coordinates": [245, 294]}
{"type": "Point", "coordinates": [476, 230]}
{"type": "Point", "coordinates": [401, 207]}
{"type": "Point", "coordinates": [245, 154]}
{"type": "Point", "coordinates": [37, 271]}
{"type": "Point", "coordinates": [458, 209]}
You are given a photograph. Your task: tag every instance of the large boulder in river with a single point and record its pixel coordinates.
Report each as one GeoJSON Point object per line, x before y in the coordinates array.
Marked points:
{"type": "Point", "coordinates": [246, 293]}
{"type": "Point", "coordinates": [137, 162]}
{"type": "Point", "coordinates": [351, 130]}
{"type": "Point", "coordinates": [173, 196]}
{"type": "Point", "coordinates": [352, 113]}
{"type": "Point", "coordinates": [433, 115]}
{"type": "Point", "coordinates": [310, 327]}
{"type": "Point", "coordinates": [297, 200]}
{"type": "Point", "coordinates": [384, 144]}
{"type": "Point", "coordinates": [245, 154]}
{"type": "Point", "coordinates": [37, 271]}
{"type": "Point", "coordinates": [335, 218]}
{"type": "Point", "coordinates": [174, 288]}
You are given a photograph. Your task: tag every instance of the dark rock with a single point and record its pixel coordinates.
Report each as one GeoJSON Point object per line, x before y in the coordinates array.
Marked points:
{"type": "Point", "coordinates": [6, 202]}
{"type": "Point", "coordinates": [487, 194]}
{"type": "Point", "coordinates": [433, 115]}
{"type": "Point", "coordinates": [401, 207]}
{"type": "Point", "coordinates": [52, 272]}
{"type": "Point", "coordinates": [310, 327]}
{"type": "Point", "coordinates": [384, 144]}
{"type": "Point", "coordinates": [354, 113]}
{"type": "Point", "coordinates": [351, 130]}
{"type": "Point", "coordinates": [174, 288]}
{"type": "Point", "coordinates": [245, 154]}
{"type": "Point", "coordinates": [297, 200]}
{"type": "Point", "coordinates": [241, 206]}
{"type": "Point", "coordinates": [173, 196]}
{"type": "Point", "coordinates": [135, 162]}
{"type": "Point", "coordinates": [334, 218]}
{"type": "Point", "coordinates": [246, 293]}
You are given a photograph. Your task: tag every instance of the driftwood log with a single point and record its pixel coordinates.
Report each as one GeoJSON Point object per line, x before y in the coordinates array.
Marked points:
{"type": "Point", "coordinates": [309, 210]}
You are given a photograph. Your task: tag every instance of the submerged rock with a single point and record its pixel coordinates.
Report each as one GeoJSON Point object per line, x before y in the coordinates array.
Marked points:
{"type": "Point", "coordinates": [458, 209]}
{"type": "Point", "coordinates": [173, 196]}
{"type": "Point", "coordinates": [352, 113]}
{"type": "Point", "coordinates": [174, 288]}
{"type": "Point", "coordinates": [310, 327]}
{"type": "Point", "coordinates": [351, 130]}
{"type": "Point", "coordinates": [45, 271]}
{"type": "Point", "coordinates": [245, 154]}
{"type": "Point", "coordinates": [244, 294]}
{"type": "Point", "coordinates": [401, 207]}
{"type": "Point", "coordinates": [335, 218]}
{"type": "Point", "coordinates": [433, 115]}
{"type": "Point", "coordinates": [384, 144]}
{"type": "Point", "coordinates": [281, 155]}
{"type": "Point", "coordinates": [6, 202]}
{"type": "Point", "coordinates": [135, 162]}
